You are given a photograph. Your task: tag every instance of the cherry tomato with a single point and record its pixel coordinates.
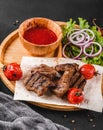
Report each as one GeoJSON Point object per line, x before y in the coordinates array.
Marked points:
{"type": "Point", "coordinates": [75, 96]}
{"type": "Point", "coordinates": [88, 71]}
{"type": "Point", "coordinates": [12, 71]}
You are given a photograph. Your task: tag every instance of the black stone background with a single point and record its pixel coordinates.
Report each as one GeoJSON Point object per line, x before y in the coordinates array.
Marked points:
{"type": "Point", "coordinates": [59, 10]}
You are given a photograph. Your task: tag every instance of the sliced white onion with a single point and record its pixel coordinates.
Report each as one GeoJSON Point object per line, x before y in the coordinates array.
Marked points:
{"type": "Point", "coordinates": [92, 54]}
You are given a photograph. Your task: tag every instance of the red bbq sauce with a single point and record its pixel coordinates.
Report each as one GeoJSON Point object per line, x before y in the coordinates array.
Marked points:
{"type": "Point", "coordinates": [40, 36]}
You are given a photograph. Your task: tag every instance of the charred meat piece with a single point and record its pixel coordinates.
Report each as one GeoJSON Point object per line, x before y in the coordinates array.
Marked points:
{"type": "Point", "coordinates": [46, 70]}
{"type": "Point", "coordinates": [78, 80]}
{"type": "Point", "coordinates": [58, 79]}
{"type": "Point", "coordinates": [66, 67]}
{"type": "Point", "coordinates": [30, 79]}
{"type": "Point", "coordinates": [74, 78]}
{"type": "Point", "coordinates": [80, 83]}
{"type": "Point", "coordinates": [64, 83]}
{"type": "Point", "coordinates": [38, 83]}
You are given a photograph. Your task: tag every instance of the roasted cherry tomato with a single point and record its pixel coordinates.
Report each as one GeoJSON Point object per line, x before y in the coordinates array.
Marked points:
{"type": "Point", "coordinates": [88, 71]}
{"type": "Point", "coordinates": [12, 71]}
{"type": "Point", "coordinates": [75, 96]}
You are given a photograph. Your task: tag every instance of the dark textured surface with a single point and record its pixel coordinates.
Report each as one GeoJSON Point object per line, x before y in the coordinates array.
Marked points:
{"type": "Point", "coordinates": [15, 115]}
{"type": "Point", "coordinates": [60, 10]}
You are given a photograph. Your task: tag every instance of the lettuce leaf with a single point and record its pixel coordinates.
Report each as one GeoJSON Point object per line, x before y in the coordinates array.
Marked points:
{"type": "Point", "coordinates": [67, 29]}
{"type": "Point", "coordinates": [83, 23]}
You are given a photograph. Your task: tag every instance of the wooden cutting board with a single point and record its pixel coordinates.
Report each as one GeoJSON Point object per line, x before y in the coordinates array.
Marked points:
{"type": "Point", "coordinates": [12, 50]}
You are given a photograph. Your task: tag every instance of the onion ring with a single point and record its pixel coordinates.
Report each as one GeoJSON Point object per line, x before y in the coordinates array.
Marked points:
{"type": "Point", "coordinates": [78, 36]}
{"type": "Point", "coordinates": [83, 39]}
{"type": "Point", "coordinates": [64, 50]}
{"type": "Point", "coordinates": [95, 54]}
{"type": "Point", "coordinates": [91, 32]}
{"type": "Point", "coordinates": [74, 57]}
{"type": "Point", "coordinates": [86, 40]}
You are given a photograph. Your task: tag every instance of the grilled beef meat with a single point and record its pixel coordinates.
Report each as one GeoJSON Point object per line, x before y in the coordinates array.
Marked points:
{"type": "Point", "coordinates": [38, 83]}
{"type": "Point", "coordinates": [66, 67]}
{"type": "Point", "coordinates": [80, 83]}
{"type": "Point", "coordinates": [63, 83]}
{"type": "Point", "coordinates": [74, 78]}
{"type": "Point", "coordinates": [58, 79]}
{"type": "Point", "coordinates": [46, 70]}
{"type": "Point", "coordinates": [71, 78]}
{"type": "Point", "coordinates": [78, 80]}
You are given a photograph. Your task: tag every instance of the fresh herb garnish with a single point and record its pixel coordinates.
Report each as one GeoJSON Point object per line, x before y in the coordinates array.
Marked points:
{"type": "Point", "coordinates": [83, 23]}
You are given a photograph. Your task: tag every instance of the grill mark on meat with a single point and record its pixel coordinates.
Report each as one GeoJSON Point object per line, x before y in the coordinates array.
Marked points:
{"type": "Point", "coordinates": [74, 78]}
{"type": "Point", "coordinates": [41, 85]}
{"type": "Point", "coordinates": [58, 79]}
{"type": "Point", "coordinates": [78, 82]}
{"type": "Point", "coordinates": [46, 70]}
{"type": "Point", "coordinates": [40, 68]}
{"type": "Point", "coordinates": [66, 67]}
{"type": "Point", "coordinates": [63, 83]}
{"type": "Point", "coordinates": [82, 84]}
{"type": "Point", "coordinates": [27, 79]}
{"type": "Point", "coordinates": [43, 69]}
{"type": "Point", "coordinates": [34, 77]}
{"type": "Point", "coordinates": [38, 83]}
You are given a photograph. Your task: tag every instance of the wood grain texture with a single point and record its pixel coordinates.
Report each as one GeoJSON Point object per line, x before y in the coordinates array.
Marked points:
{"type": "Point", "coordinates": [36, 49]}
{"type": "Point", "coordinates": [11, 50]}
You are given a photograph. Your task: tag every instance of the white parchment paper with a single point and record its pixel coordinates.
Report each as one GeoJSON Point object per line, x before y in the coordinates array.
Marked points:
{"type": "Point", "coordinates": [92, 91]}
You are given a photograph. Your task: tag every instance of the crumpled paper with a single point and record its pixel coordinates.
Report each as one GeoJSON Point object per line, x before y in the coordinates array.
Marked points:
{"type": "Point", "coordinates": [92, 90]}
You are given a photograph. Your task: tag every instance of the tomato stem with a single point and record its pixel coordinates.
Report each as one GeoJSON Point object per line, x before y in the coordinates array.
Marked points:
{"type": "Point", "coordinates": [96, 73]}
{"type": "Point", "coordinates": [78, 94]}
{"type": "Point", "coordinates": [4, 67]}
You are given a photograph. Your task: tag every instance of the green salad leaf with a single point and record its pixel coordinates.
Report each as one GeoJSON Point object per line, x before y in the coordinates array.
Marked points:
{"type": "Point", "coordinates": [83, 23]}
{"type": "Point", "coordinates": [67, 29]}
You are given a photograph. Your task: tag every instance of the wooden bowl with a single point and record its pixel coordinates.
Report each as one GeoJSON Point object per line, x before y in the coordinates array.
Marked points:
{"type": "Point", "coordinates": [35, 49]}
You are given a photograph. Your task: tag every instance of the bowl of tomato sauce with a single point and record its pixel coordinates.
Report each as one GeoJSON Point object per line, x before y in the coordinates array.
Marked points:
{"type": "Point", "coordinates": [40, 36]}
